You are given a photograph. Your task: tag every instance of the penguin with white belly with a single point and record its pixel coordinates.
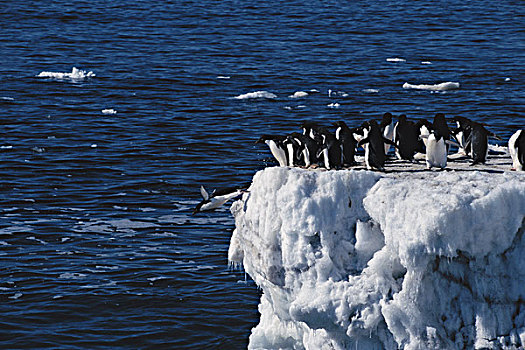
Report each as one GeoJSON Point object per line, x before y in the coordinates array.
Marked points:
{"type": "Point", "coordinates": [436, 150]}
{"type": "Point", "coordinates": [387, 128]}
{"type": "Point", "coordinates": [217, 198]}
{"type": "Point", "coordinates": [517, 150]}
{"type": "Point", "coordinates": [277, 147]}
{"type": "Point", "coordinates": [461, 133]}
{"type": "Point", "coordinates": [307, 148]}
{"type": "Point", "coordinates": [330, 150]}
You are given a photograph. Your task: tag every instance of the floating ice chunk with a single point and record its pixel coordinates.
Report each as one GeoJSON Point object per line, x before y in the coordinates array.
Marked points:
{"type": "Point", "coordinates": [76, 74]}
{"type": "Point", "coordinates": [6, 147]}
{"type": "Point", "coordinates": [256, 94]}
{"type": "Point", "coordinates": [395, 59]}
{"type": "Point", "coordinates": [94, 145]}
{"type": "Point", "coordinates": [7, 98]}
{"type": "Point", "coordinates": [507, 79]}
{"type": "Point", "coordinates": [16, 296]}
{"type": "Point", "coordinates": [426, 62]}
{"type": "Point", "coordinates": [449, 85]}
{"type": "Point", "coordinates": [223, 77]}
{"type": "Point", "coordinates": [72, 275]}
{"type": "Point", "coordinates": [299, 94]}
{"type": "Point", "coordinates": [109, 111]}
{"type": "Point", "coordinates": [371, 91]}
{"type": "Point", "coordinates": [333, 105]}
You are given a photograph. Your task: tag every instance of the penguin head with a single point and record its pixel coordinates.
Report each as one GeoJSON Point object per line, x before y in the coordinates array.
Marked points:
{"type": "Point", "coordinates": [387, 119]}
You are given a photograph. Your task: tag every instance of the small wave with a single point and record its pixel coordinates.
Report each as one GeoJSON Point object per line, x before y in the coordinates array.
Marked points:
{"type": "Point", "coordinates": [256, 94]}
{"type": "Point", "coordinates": [395, 59]}
{"type": "Point", "coordinates": [299, 94]}
{"type": "Point", "coordinates": [76, 74]}
{"type": "Point", "coordinates": [449, 85]}
{"type": "Point", "coordinates": [109, 111]}
{"type": "Point", "coordinates": [371, 91]}
{"type": "Point", "coordinates": [334, 105]}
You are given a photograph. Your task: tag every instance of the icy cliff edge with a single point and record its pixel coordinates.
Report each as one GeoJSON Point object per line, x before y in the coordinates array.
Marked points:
{"type": "Point", "coordinates": [413, 260]}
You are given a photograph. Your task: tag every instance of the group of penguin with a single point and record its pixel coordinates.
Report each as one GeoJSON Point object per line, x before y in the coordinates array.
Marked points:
{"type": "Point", "coordinates": [318, 146]}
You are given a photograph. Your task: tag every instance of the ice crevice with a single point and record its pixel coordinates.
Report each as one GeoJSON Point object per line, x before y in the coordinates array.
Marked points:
{"type": "Point", "coordinates": [413, 260]}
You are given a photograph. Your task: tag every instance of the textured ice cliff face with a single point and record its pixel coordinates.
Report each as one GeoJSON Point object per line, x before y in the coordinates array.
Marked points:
{"type": "Point", "coordinates": [356, 259]}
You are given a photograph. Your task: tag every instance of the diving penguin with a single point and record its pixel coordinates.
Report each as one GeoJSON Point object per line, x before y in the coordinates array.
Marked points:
{"type": "Point", "coordinates": [217, 198]}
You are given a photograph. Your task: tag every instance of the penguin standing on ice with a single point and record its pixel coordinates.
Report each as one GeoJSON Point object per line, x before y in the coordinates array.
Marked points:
{"type": "Point", "coordinates": [461, 133]}
{"type": "Point", "coordinates": [217, 198]}
{"type": "Point", "coordinates": [424, 127]}
{"type": "Point", "coordinates": [330, 150]}
{"type": "Point", "coordinates": [517, 150]}
{"type": "Point", "coordinates": [387, 128]}
{"type": "Point", "coordinates": [307, 148]}
{"type": "Point", "coordinates": [406, 138]}
{"type": "Point", "coordinates": [277, 147]}
{"type": "Point", "coordinates": [479, 143]}
{"type": "Point", "coordinates": [375, 147]}
{"type": "Point", "coordinates": [436, 150]}
{"type": "Point", "coordinates": [348, 142]}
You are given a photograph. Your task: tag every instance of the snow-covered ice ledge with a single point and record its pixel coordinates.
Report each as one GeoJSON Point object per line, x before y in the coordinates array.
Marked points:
{"type": "Point", "coordinates": [356, 259]}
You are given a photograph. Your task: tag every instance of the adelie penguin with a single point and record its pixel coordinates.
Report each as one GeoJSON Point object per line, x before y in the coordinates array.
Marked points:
{"type": "Point", "coordinates": [307, 148]}
{"type": "Point", "coordinates": [375, 150]}
{"type": "Point", "coordinates": [436, 150]}
{"type": "Point", "coordinates": [406, 138]}
{"type": "Point", "coordinates": [345, 136]}
{"type": "Point", "coordinates": [517, 150]}
{"type": "Point", "coordinates": [217, 198]}
{"type": "Point", "coordinates": [277, 147]}
{"type": "Point", "coordinates": [387, 128]}
{"type": "Point", "coordinates": [478, 143]}
{"type": "Point", "coordinates": [330, 151]}
{"type": "Point", "coordinates": [461, 133]}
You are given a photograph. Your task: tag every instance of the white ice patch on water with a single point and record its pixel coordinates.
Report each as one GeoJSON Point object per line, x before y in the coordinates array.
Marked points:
{"type": "Point", "coordinates": [223, 77]}
{"type": "Point", "coordinates": [76, 74]}
{"type": "Point", "coordinates": [16, 296]}
{"type": "Point", "coordinates": [426, 62]}
{"type": "Point", "coordinates": [299, 94]}
{"type": "Point", "coordinates": [395, 59]}
{"type": "Point", "coordinates": [371, 91]}
{"type": "Point", "coordinates": [449, 85]}
{"type": "Point", "coordinates": [7, 98]}
{"type": "Point", "coordinates": [358, 259]}
{"type": "Point", "coordinates": [109, 111]}
{"type": "Point", "coordinates": [6, 147]}
{"type": "Point", "coordinates": [256, 94]}
{"type": "Point", "coordinates": [333, 105]}
{"type": "Point", "coordinates": [72, 276]}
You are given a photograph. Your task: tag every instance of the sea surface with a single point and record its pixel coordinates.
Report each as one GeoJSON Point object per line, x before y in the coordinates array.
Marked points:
{"type": "Point", "coordinates": [100, 170]}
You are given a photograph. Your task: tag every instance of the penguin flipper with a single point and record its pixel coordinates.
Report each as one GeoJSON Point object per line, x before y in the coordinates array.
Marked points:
{"type": "Point", "coordinates": [362, 141]}
{"type": "Point", "coordinates": [204, 194]}
{"type": "Point", "coordinates": [452, 143]}
{"type": "Point", "coordinates": [390, 142]}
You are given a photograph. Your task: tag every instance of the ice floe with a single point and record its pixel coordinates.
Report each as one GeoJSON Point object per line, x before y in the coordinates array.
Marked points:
{"type": "Point", "coordinates": [449, 85]}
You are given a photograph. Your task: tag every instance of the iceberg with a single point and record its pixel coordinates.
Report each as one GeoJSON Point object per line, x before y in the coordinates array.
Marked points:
{"type": "Point", "coordinates": [76, 74]}
{"type": "Point", "coordinates": [353, 259]}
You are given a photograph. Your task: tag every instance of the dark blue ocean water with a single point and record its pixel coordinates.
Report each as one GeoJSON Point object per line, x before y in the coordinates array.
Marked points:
{"type": "Point", "coordinates": [97, 245]}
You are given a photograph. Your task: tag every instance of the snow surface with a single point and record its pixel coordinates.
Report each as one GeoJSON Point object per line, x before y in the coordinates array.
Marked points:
{"type": "Point", "coordinates": [410, 259]}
